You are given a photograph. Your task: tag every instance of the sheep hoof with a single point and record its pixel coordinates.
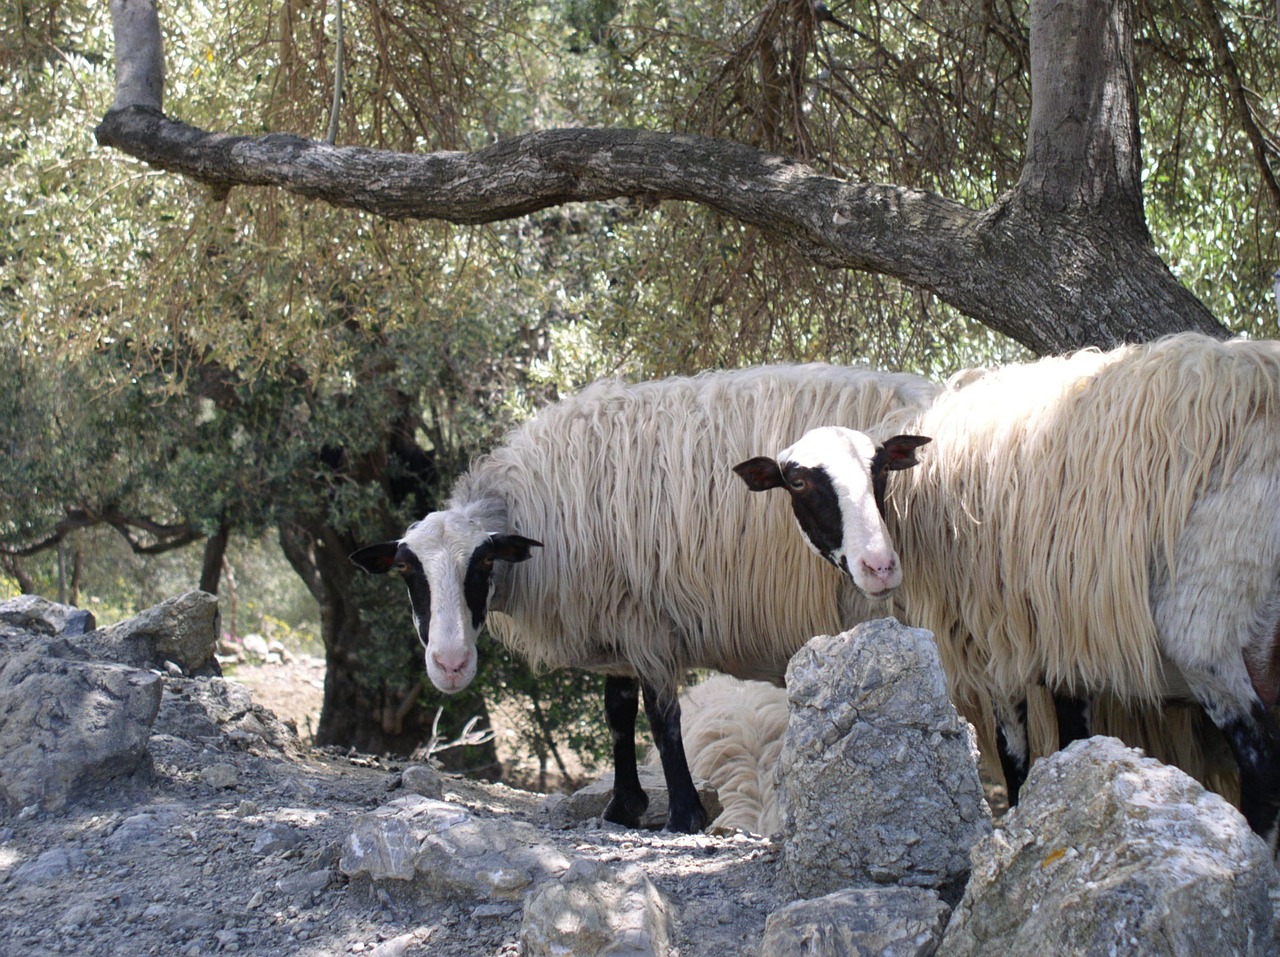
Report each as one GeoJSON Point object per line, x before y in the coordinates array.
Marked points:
{"type": "Point", "coordinates": [626, 809]}
{"type": "Point", "coordinates": [691, 820]}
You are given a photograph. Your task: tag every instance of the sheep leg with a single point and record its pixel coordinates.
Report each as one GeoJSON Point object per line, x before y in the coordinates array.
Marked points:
{"type": "Point", "coordinates": [1073, 719]}
{"type": "Point", "coordinates": [1255, 742]}
{"type": "Point", "coordinates": [621, 705]}
{"type": "Point", "coordinates": [1011, 745]}
{"type": "Point", "coordinates": [685, 812]}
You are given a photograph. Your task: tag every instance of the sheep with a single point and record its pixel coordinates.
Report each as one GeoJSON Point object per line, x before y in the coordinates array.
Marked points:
{"type": "Point", "coordinates": [732, 732]}
{"type": "Point", "coordinates": [1104, 523]}
{"type": "Point", "coordinates": [648, 564]}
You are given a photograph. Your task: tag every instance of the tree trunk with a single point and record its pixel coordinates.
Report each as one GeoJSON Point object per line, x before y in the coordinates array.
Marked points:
{"type": "Point", "coordinates": [215, 549]}
{"type": "Point", "coordinates": [1062, 261]}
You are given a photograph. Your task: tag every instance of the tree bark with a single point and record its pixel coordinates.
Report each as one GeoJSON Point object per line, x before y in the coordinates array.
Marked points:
{"type": "Point", "coordinates": [215, 549]}
{"type": "Point", "coordinates": [1063, 260]}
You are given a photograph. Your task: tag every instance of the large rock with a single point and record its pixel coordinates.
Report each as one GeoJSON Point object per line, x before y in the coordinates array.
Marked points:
{"type": "Point", "coordinates": [886, 921]}
{"type": "Point", "coordinates": [213, 709]}
{"type": "Point", "coordinates": [878, 776]}
{"type": "Point", "coordinates": [417, 846]}
{"type": "Point", "coordinates": [595, 911]}
{"type": "Point", "coordinates": [41, 616]}
{"type": "Point", "coordinates": [68, 722]}
{"type": "Point", "coordinates": [182, 631]}
{"type": "Point", "coordinates": [1110, 852]}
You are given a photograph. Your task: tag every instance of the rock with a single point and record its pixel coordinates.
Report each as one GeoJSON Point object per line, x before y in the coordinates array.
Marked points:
{"type": "Point", "coordinates": [593, 911]}
{"type": "Point", "coordinates": [183, 630]}
{"type": "Point", "coordinates": [255, 647]}
{"type": "Point", "coordinates": [878, 776]}
{"type": "Point", "coordinates": [425, 847]}
{"type": "Point", "coordinates": [1110, 852]}
{"type": "Point", "coordinates": [275, 838]}
{"type": "Point", "coordinates": [886, 921]}
{"type": "Point", "coordinates": [420, 779]}
{"type": "Point", "coordinates": [35, 614]}
{"type": "Point", "coordinates": [213, 708]}
{"type": "Point", "coordinates": [220, 776]}
{"type": "Point", "coordinates": [52, 864]}
{"type": "Point", "coordinates": [67, 723]}
{"type": "Point", "coordinates": [590, 801]}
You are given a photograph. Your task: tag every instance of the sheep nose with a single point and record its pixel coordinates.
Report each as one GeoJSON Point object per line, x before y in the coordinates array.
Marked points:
{"type": "Point", "coordinates": [451, 663]}
{"type": "Point", "coordinates": [883, 571]}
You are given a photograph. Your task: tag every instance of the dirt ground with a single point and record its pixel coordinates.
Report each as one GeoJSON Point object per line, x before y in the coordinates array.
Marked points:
{"type": "Point", "coordinates": [221, 850]}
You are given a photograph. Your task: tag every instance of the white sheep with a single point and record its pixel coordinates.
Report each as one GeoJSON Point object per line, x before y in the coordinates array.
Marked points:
{"type": "Point", "coordinates": [732, 732]}
{"type": "Point", "coordinates": [648, 563]}
{"type": "Point", "coordinates": [1104, 523]}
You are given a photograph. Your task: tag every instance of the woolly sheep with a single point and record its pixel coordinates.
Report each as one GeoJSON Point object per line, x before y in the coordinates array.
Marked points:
{"type": "Point", "coordinates": [1108, 522]}
{"type": "Point", "coordinates": [648, 563]}
{"type": "Point", "coordinates": [732, 732]}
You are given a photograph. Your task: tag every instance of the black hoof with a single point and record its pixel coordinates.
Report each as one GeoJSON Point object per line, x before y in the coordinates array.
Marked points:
{"type": "Point", "coordinates": [626, 810]}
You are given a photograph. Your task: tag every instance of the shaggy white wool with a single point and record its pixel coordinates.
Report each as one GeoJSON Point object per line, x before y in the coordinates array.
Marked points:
{"type": "Point", "coordinates": [732, 737]}
{"type": "Point", "coordinates": [1084, 520]}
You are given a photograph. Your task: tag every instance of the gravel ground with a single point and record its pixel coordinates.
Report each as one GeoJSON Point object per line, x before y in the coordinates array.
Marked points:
{"type": "Point", "coordinates": [220, 850]}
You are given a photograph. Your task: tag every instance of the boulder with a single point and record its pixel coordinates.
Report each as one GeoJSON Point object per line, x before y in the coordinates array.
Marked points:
{"type": "Point", "coordinates": [1110, 852]}
{"type": "Point", "coordinates": [418, 846]}
{"type": "Point", "coordinates": [878, 776]}
{"type": "Point", "coordinates": [182, 630]}
{"type": "Point", "coordinates": [596, 911]}
{"type": "Point", "coordinates": [68, 722]}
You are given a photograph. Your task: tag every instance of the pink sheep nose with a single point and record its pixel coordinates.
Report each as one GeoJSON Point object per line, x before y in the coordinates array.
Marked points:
{"type": "Point", "coordinates": [452, 665]}
{"type": "Point", "coordinates": [883, 571]}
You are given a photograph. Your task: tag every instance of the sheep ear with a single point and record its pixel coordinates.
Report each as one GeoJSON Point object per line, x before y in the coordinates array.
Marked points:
{"type": "Point", "coordinates": [512, 548]}
{"type": "Point", "coordinates": [376, 559]}
{"type": "Point", "coordinates": [760, 473]}
{"type": "Point", "coordinates": [898, 453]}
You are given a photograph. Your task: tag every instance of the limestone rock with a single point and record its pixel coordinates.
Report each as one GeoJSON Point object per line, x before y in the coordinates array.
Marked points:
{"type": "Point", "coordinates": [1110, 852]}
{"type": "Point", "coordinates": [595, 911]}
{"type": "Point", "coordinates": [41, 616]}
{"type": "Point", "coordinates": [886, 921]}
{"type": "Point", "coordinates": [68, 722]}
{"type": "Point", "coordinates": [420, 846]}
{"type": "Point", "coordinates": [183, 630]}
{"type": "Point", "coordinates": [878, 776]}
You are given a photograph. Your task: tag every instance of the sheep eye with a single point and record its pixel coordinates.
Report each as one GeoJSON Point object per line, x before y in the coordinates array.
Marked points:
{"type": "Point", "coordinates": [798, 483]}
{"type": "Point", "coordinates": [400, 567]}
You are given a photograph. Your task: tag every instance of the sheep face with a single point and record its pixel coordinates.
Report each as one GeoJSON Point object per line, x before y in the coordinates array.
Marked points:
{"type": "Point", "coordinates": [836, 479]}
{"type": "Point", "coordinates": [447, 562]}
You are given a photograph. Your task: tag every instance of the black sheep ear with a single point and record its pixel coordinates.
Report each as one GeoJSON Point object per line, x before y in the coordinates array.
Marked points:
{"type": "Point", "coordinates": [898, 453]}
{"type": "Point", "coordinates": [760, 473]}
{"type": "Point", "coordinates": [512, 548]}
{"type": "Point", "coordinates": [376, 559]}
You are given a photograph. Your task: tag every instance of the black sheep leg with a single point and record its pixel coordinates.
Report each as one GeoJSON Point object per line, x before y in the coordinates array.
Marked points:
{"type": "Point", "coordinates": [621, 705]}
{"type": "Point", "coordinates": [685, 811]}
{"type": "Point", "coordinates": [1011, 745]}
{"type": "Point", "coordinates": [1073, 719]}
{"type": "Point", "coordinates": [1255, 742]}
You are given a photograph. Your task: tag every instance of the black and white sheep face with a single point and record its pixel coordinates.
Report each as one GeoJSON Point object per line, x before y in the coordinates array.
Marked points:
{"type": "Point", "coordinates": [447, 562]}
{"type": "Point", "coordinates": [836, 478]}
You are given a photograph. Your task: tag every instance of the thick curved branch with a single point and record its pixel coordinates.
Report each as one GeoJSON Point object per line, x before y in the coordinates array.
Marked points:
{"type": "Point", "coordinates": [1061, 262]}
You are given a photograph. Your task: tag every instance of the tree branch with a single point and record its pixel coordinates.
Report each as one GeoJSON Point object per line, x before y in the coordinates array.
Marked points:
{"type": "Point", "coordinates": [1063, 261]}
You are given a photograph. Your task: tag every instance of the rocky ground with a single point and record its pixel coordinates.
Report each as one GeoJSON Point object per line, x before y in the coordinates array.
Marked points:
{"type": "Point", "coordinates": [220, 849]}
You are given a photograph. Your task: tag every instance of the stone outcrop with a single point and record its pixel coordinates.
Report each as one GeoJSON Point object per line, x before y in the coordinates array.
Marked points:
{"type": "Point", "coordinates": [878, 778]}
{"type": "Point", "coordinates": [1110, 852]}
